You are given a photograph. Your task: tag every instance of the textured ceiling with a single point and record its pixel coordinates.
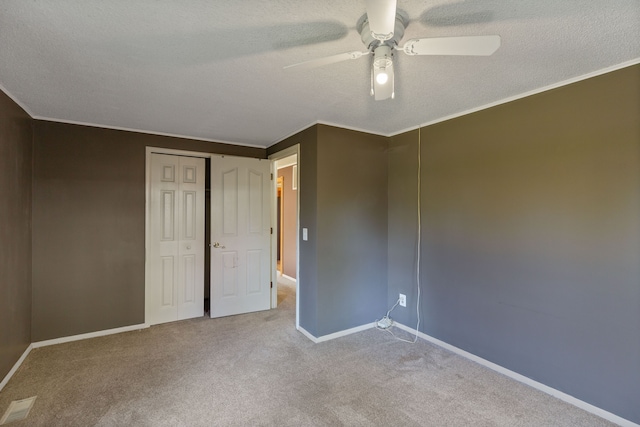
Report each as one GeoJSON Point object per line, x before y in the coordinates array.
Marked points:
{"type": "Point", "coordinates": [213, 69]}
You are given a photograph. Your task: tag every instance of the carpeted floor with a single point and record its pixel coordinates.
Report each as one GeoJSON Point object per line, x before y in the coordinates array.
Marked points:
{"type": "Point", "coordinates": [256, 369]}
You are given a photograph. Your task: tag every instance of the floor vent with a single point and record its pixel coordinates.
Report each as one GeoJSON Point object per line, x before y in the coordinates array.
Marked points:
{"type": "Point", "coordinates": [18, 410]}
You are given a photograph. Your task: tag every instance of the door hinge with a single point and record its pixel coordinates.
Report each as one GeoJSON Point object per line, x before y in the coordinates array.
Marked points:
{"type": "Point", "coordinates": [271, 230]}
{"type": "Point", "coordinates": [271, 285]}
{"type": "Point", "coordinates": [271, 177]}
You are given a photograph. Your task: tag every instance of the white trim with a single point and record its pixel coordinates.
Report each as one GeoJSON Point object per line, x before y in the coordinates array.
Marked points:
{"type": "Point", "coordinates": [476, 109]}
{"type": "Point", "coordinates": [289, 135]}
{"type": "Point", "coordinates": [291, 151]}
{"type": "Point", "coordinates": [147, 132]}
{"type": "Point", "coordinates": [20, 104]}
{"type": "Point", "coordinates": [322, 122]}
{"type": "Point", "coordinates": [525, 380]}
{"type": "Point", "coordinates": [287, 152]}
{"type": "Point", "coordinates": [90, 335]}
{"type": "Point", "coordinates": [353, 128]}
{"type": "Point", "coordinates": [287, 161]}
{"type": "Point", "coordinates": [527, 94]}
{"type": "Point", "coordinates": [289, 278]}
{"type": "Point", "coordinates": [294, 177]}
{"type": "Point", "coordinates": [202, 154]}
{"type": "Point", "coordinates": [273, 209]}
{"type": "Point", "coordinates": [307, 334]}
{"type": "Point", "coordinates": [67, 339]}
{"type": "Point", "coordinates": [13, 370]}
{"type": "Point", "coordinates": [335, 335]}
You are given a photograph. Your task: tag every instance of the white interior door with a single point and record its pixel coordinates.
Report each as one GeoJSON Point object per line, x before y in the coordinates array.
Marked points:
{"type": "Point", "coordinates": [175, 290]}
{"type": "Point", "coordinates": [240, 235]}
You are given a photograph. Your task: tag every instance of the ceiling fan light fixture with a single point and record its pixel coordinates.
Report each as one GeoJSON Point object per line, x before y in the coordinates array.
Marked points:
{"type": "Point", "coordinates": [382, 70]}
{"type": "Point", "coordinates": [381, 29]}
{"type": "Point", "coordinates": [382, 64]}
{"type": "Point", "coordinates": [382, 77]}
{"type": "Point", "coordinates": [382, 57]}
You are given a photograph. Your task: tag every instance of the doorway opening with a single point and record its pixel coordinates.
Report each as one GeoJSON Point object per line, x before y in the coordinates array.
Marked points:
{"type": "Point", "coordinates": [279, 222]}
{"type": "Point", "coordinates": [207, 239]}
{"type": "Point", "coordinates": [237, 267]}
{"type": "Point", "coordinates": [285, 213]}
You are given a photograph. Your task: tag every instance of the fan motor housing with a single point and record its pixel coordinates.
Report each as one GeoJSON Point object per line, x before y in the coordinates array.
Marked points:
{"type": "Point", "coordinates": [371, 43]}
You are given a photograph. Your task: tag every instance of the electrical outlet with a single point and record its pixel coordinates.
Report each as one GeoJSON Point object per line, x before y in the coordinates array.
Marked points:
{"type": "Point", "coordinates": [403, 300]}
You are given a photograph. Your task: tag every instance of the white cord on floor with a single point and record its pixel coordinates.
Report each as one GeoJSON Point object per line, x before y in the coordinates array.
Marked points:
{"type": "Point", "coordinates": [388, 329]}
{"type": "Point", "coordinates": [387, 318]}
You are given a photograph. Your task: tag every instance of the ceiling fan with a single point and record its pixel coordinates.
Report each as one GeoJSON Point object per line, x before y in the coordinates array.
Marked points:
{"type": "Point", "coordinates": [381, 29]}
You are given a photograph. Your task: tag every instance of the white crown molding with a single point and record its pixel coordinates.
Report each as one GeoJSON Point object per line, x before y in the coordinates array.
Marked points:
{"type": "Point", "coordinates": [147, 132]}
{"type": "Point", "coordinates": [353, 128]}
{"type": "Point", "coordinates": [289, 135]}
{"type": "Point", "coordinates": [16, 100]}
{"type": "Point", "coordinates": [523, 95]}
{"type": "Point", "coordinates": [480, 108]}
{"type": "Point", "coordinates": [596, 73]}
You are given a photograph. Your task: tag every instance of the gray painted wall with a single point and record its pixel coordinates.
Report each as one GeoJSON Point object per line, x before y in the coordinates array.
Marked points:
{"type": "Point", "coordinates": [16, 137]}
{"type": "Point", "coordinates": [343, 203]}
{"type": "Point", "coordinates": [88, 225]}
{"type": "Point", "coordinates": [531, 236]}
{"type": "Point", "coordinates": [307, 186]}
{"type": "Point", "coordinates": [403, 225]}
{"type": "Point", "coordinates": [351, 228]}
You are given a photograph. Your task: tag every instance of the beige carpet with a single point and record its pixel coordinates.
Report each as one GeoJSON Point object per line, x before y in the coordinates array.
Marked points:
{"type": "Point", "coordinates": [256, 369]}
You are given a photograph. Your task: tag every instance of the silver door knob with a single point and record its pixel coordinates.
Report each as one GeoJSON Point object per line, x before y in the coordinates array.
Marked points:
{"type": "Point", "coordinates": [217, 245]}
{"type": "Point", "coordinates": [188, 246]}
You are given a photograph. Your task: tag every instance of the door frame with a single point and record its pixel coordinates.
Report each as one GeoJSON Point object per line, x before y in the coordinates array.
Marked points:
{"type": "Point", "coordinates": [147, 216]}
{"type": "Point", "coordinates": [280, 222]}
{"type": "Point", "coordinates": [294, 149]}
{"type": "Point", "coordinates": [147, 212]}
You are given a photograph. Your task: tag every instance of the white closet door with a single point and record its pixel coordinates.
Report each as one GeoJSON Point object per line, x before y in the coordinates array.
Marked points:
{"type": "Point", "coordinates": [176, 229]}
{"type": "Point", "coordinates": [240, 238]}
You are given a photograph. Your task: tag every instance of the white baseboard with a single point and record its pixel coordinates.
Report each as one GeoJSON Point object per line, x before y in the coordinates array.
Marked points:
{"type": "Point", "coordinates": [307, 334]}
{"type": "Point", "coordinates": [89, 335]}
{"type": "Point", "coordinates": [13, 370]}
{"type": "Point", "coordinates": [525, 380]}
{"type": "Point", "coordinates": [336, 334]}
{"type": "Point", "coordinates": [54, 341]}
{"type": "Point", "coordinates": [293, 279]}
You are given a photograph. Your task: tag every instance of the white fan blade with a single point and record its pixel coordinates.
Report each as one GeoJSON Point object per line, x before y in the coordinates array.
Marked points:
{"type": "Point", "coordinates": [382, 18]}
{"type": "Point", "coordinates": [473, 46]}
{"type": "Point", "coordinates": [327, 60]}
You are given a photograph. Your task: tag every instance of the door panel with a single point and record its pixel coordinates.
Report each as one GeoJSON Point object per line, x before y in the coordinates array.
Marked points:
{"type": "Point", "coordinates": [176, 247]}
{"type": "Point", "coordinates": [230, 202]}
{"type": "Point", "coordinates": [167, 280]}
{"type": "Point", "coordinates": [240, 226]}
